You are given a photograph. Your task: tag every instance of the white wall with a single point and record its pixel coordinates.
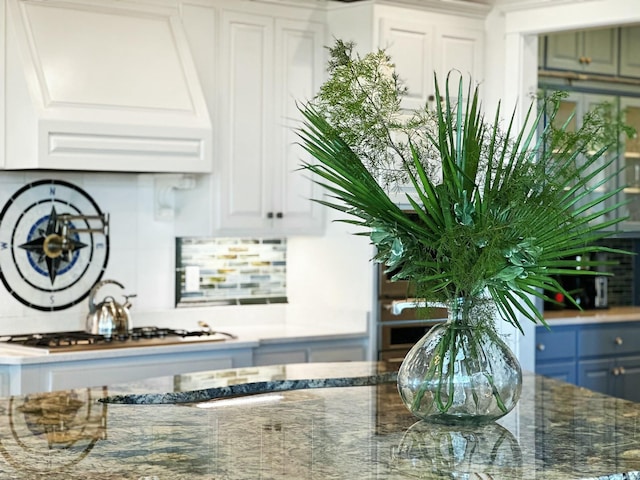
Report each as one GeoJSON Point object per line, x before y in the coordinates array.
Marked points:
{"type": "Point", "coordinates": [141, 249]}
{"type": "Point", "coordinates": [331, 272]}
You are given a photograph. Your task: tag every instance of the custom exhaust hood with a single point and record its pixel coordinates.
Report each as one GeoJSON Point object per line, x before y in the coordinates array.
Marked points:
{"type": "Point", "coordinates": [100, 85]}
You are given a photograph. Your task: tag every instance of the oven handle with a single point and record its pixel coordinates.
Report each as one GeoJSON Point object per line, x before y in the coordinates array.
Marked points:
{"type": "Point", "coordinates": [397, 306]}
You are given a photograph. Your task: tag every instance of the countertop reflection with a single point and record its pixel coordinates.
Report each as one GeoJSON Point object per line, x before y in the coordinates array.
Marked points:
{"type": "Point", "coordinates": [558, 431]}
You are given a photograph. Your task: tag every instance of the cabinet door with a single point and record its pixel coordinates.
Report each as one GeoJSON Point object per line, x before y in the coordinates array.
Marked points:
{"type": "Point", "coordinates": [246, 126]}
{"type": "Point", "coordinates": [338, 353]}
{"type": "Point", "coordinates": [267, 65]}
{"type": "Point", "coordinates": [459, 52]}
{"type": "Point", "coordinates": [556, 353]}
{"type": "Point", "coordinates": [628, 378]}
{"type": "Point", "coordinates": [597, 375]}
{"type": "Point", "coordinates": [298, 75]}
{"type": "Point", "coordinates": [629, 58]}
{"type": "Point", "coordinates": [564, 371]}
{"type": "Point", "coordinates": [591, 51]}
{"type": "Point", "coordinates": [630, 159]}
{"type": "Point", "coordinates": [564, 51]}
{"type": "Point", "coordinates": [572, 109]}
{"type": "Point", "coordinates": [274, 356]}
{"type": "Point", "coordinates": [601, 51]}
{"type": "Point", "coordinates": [411, 47]}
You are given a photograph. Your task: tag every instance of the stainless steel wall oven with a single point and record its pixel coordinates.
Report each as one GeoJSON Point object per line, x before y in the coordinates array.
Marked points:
{"type": "Point", "coordinates": [400, 323]}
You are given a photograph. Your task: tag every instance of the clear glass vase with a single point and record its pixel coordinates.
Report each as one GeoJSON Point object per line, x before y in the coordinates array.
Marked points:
{"type": "Point", "coordinates": [461, 452]}
{"type": "Point", "coordinates": [461, 371]}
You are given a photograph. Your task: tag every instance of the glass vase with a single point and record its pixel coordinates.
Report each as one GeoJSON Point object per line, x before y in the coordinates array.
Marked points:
{"type": "Point", "coordinates": [461, 371]}
{"type": "Point", "coordinates": [462, 452]}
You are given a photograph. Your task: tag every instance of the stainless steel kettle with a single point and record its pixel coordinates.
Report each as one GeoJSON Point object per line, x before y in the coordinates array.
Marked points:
{"type": "Point", "coordinates": [108, 317]}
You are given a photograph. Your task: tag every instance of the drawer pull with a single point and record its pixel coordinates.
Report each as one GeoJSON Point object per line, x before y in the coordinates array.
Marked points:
{"type": "Point", "coordinates": [618, 341]}
{"type": "Point", "coordinates": [540, 347]}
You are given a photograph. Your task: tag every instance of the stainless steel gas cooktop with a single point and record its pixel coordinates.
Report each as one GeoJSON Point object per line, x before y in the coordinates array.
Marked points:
{"type": "Point", "coordinates": [79, 340]}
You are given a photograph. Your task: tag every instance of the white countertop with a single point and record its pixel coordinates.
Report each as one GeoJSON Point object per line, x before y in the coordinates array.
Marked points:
{"type": "Point", "coordinates": [281, 325]}
{"type": "Point", "coordinates": [577, 317]}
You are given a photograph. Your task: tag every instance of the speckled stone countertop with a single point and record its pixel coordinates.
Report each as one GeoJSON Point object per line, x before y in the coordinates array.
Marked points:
{"type": "Point", "coordinates": [557, 431]}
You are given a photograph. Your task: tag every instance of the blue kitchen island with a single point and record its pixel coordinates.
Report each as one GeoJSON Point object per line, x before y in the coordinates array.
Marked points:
{"type": "Point", "coordinates": [557, 431]}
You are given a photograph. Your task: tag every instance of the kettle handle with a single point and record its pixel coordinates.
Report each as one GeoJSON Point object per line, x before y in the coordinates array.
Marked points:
{"type": "Point", "coordinates": [94, 290]}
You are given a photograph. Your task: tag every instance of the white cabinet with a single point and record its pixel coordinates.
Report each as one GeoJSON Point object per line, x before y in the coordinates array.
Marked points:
{"type": "Point", "coordinates": [130, 365]}
{"type": "Point", "coordinates": [589, 51]}
{"type": "Point", "coordinates": [266, 65]}
{"type": "Point", "coordinates": [419, 49]}
{"type": "Point", "coordinates": [421, 42]}
{"type": "Point", "coordinates": [280, 353]}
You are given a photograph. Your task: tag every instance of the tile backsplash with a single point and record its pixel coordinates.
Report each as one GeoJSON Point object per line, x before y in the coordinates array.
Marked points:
{"type": "Point", "coordinates": [230, 271]}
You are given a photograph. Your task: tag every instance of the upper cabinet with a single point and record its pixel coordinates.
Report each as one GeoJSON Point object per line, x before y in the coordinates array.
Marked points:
{"type": "Point", "coordinates": [419, 49]}
{"type": "Point", "coordinates": [589, 51]}
{"type": "Point", "coordinates": [597, 66]}
{"type": "Point", "coordinates": [101, 85]}
{"type": "Point", "coordinates": [266, 59]}
{"type": "Point", "coordinates": [421, 42]}
{"type": "Point", "coordinates": [605, 51]}
{"type": "Point", "coordinates": [629, 58]}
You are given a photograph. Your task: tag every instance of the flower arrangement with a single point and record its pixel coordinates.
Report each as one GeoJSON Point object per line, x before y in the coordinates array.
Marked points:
{"type": "Point", "coordinates": [499, 212]}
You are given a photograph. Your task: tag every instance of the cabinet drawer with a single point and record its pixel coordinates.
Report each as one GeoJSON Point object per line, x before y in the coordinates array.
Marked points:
{"type": "Point", "coordinates": [555, 344]}
{"type": "Point", "coordinates": [616, 339]}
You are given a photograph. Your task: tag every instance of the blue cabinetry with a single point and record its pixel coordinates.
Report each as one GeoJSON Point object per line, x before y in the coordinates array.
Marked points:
{"type": "Point", "coordinates": [602, 357]}
{"type": "Point", "coordinates": [556, 353]}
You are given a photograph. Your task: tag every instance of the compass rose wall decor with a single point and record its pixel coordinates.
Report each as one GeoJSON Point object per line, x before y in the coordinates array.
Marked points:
{"type": "Point", "coordinates": [54, 244]}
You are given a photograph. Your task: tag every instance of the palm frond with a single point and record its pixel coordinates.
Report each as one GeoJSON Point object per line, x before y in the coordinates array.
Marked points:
{"type": "Point", "coordinates": [497, 212]}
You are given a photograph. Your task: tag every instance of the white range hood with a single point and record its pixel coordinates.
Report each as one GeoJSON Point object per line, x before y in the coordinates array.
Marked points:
{"type": "Point", "coordinates": [100, 85]}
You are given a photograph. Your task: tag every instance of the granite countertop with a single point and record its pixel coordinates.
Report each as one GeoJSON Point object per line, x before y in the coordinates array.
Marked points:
{"type": "Point", "coordinates": [557, 431]}
{"type": "Point", "coordinates": [577, 317]}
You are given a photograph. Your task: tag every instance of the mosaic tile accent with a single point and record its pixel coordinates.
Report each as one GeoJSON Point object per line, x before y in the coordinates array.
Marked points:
{"type": "Point", "coordinates": [230, 271]}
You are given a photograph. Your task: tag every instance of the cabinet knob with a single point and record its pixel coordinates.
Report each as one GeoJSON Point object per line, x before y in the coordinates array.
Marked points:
{"type": "Point", "coordinates": [279, 215]}
{"type": "Point", "coordinates": [582, 60]}
{"type": "Point", "coordinates": [588, 60]}
{"type": "Point", "coordinates": [616, 371]}
{"type": "Point", "coordinates": [540, 347]}
{"type": "Point", "coordinates": [622, 371]}
{"type": "Point", "coordinates": [269, 214]}
{"type": "Point", "coordinates": [618, 341]}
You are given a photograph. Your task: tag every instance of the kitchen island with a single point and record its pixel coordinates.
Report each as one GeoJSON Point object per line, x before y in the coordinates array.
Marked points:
{"type": "Point", "coordinates": [557, 431]}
